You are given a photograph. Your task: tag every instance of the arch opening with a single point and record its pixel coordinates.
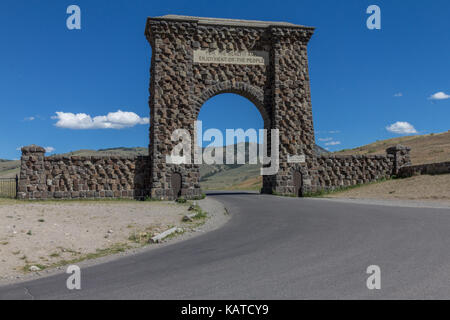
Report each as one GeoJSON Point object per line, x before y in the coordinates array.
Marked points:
{"type": "Point", "coordinates": [252, 94]}
{"type": "Point", "coordinates": [235, 112]}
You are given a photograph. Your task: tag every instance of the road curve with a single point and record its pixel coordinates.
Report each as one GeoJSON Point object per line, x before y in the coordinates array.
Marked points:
{"type": "Point", "coordinates": [279, 248]}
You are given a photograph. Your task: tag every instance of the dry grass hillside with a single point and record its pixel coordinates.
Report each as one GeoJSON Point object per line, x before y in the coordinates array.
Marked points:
{"type": "Point", "coordinates": [428, 148]}
{"type": "Point", "coordinates": [9, 168]}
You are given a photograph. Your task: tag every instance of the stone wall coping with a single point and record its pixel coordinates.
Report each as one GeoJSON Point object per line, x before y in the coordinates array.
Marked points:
{"type": "Point", "coordinates": [228, 22]}
{"type": "Point", "coordinates": [427, 168]}
{"type": "Point", "coordinates": [92, 158]}
{"type": "Point", "coordinates": [424, 165]}
{"type": "Point", "coordinates": [354, 156]}
{"type": "Point", "coordinates": [32, 148]}
{"type": "Point", "coordinates": [397, 147]}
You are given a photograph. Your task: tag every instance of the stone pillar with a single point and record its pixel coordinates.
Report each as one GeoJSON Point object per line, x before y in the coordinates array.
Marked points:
{"type": "Point", "coordinates": [32, 183]}
{"type": "Point", "coordinates": [401, 157]}
{"type": "Point", "coordinates": [292, 109]}
{"type": "Point", "coordinates": [170, 106]}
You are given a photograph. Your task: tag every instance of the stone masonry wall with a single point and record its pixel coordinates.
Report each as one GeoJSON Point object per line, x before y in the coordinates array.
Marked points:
{"type": "Point", "coordinates": [64, 177]}
{"type": "Point", "coordinates": [429, 168]}
{"type": "Point", "coordinates": [336, 171]}
{"type": "Point", "coordinates": [341, 171]}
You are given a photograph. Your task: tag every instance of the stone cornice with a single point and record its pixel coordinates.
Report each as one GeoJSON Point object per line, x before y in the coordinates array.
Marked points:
{"type": "Point", "coordinates": [277, 29]}
{"type": "Point", "coordinates": [229, 22]}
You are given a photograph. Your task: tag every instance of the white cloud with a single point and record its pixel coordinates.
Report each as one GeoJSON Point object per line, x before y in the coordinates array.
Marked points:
{"type": "Point", "coordinates": [325, 139]}
{"type": "Point", "coordinates": [113, 120]}
{"type": "Point", "coordinates": [334, 131]}
{"type": "Point", "coordinates": [401, 128]}
{"type": "Point", "coordinates": [399, 94]}
{"type": "Point", "coordinates": [439, 96]}
{"type": "Point", "coordinates": [29, 118]}
{"type": "Point", "coordinates": [19, 148]}
{"type": "Point", "coordinates": [333, 143]}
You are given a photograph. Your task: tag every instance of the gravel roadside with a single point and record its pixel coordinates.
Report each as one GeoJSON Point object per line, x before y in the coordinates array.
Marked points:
{"type": "Point", "coordinates": [423, 188]}
{"type": "Point", "coordinates": [51, 235]}
{"type": "Point", "coordinates": [391, 202]}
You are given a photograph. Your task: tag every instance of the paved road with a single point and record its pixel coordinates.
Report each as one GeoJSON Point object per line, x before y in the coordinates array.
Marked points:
{"type": "Point", "coordinates": [280, 248]}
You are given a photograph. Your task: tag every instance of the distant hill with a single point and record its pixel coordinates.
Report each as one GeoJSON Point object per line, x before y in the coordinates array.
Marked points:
{"type": "Point", "coordinates": [120, 151]}
{"type": "Point", "coordinates": [9, 168]}
{"type": "Point", "coordinates": [223, 176]}
{"type": "Point", "coordinates": [429, 148]}
{"type": "Point", "coordinates": [320, 150]}
{"type": "Point", "coordinates": [238, 177]}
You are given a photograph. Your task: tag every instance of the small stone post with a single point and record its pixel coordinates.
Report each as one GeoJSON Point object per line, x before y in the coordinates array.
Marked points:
{"type": "Point", "coordinates": [32, 184]}
{"type": "Point", "coordinates": [401, 157]}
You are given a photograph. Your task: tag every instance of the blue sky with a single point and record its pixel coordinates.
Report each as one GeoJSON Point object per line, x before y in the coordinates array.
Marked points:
{"type": "Point", "coordinates": [362, 80]}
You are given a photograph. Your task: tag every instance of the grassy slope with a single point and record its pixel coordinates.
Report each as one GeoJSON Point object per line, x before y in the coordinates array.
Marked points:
{"type": "Point", "coordinates": [424, 149]}
{"type": "Point", "coordinates": [9, 169]}
{"type": "Point", "coordinates": [235, 178]}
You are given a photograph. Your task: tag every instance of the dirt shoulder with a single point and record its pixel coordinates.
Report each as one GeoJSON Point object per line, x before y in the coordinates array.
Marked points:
{"type": "Point", "coordinates": [49, 235]}
{"type": "Point", "coordinates": [434, 188]}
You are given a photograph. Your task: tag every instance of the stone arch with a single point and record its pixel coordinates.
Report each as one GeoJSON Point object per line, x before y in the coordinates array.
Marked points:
{"type": "Point", "coordinates": [254, 94]}
{"type": "Point", "coordinates": [194, 59]}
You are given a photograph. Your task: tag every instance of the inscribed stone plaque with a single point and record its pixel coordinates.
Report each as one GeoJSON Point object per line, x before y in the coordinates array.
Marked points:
{"type": "Point", "coordinates": [296, 159]}
{"type": "Point", "coordinates": [259, 58]}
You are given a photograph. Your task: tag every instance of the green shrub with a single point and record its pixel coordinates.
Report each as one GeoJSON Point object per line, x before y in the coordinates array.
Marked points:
{"type": "Point", "coordinates": [181, 200]}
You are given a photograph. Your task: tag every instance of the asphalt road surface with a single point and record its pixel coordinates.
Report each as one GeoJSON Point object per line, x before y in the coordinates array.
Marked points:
{"type": "Point", "coordinates": [279, 248]}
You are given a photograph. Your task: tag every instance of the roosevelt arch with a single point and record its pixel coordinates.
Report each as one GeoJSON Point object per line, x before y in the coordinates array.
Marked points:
{"type": "Point", "coordinates": [194, 59]}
